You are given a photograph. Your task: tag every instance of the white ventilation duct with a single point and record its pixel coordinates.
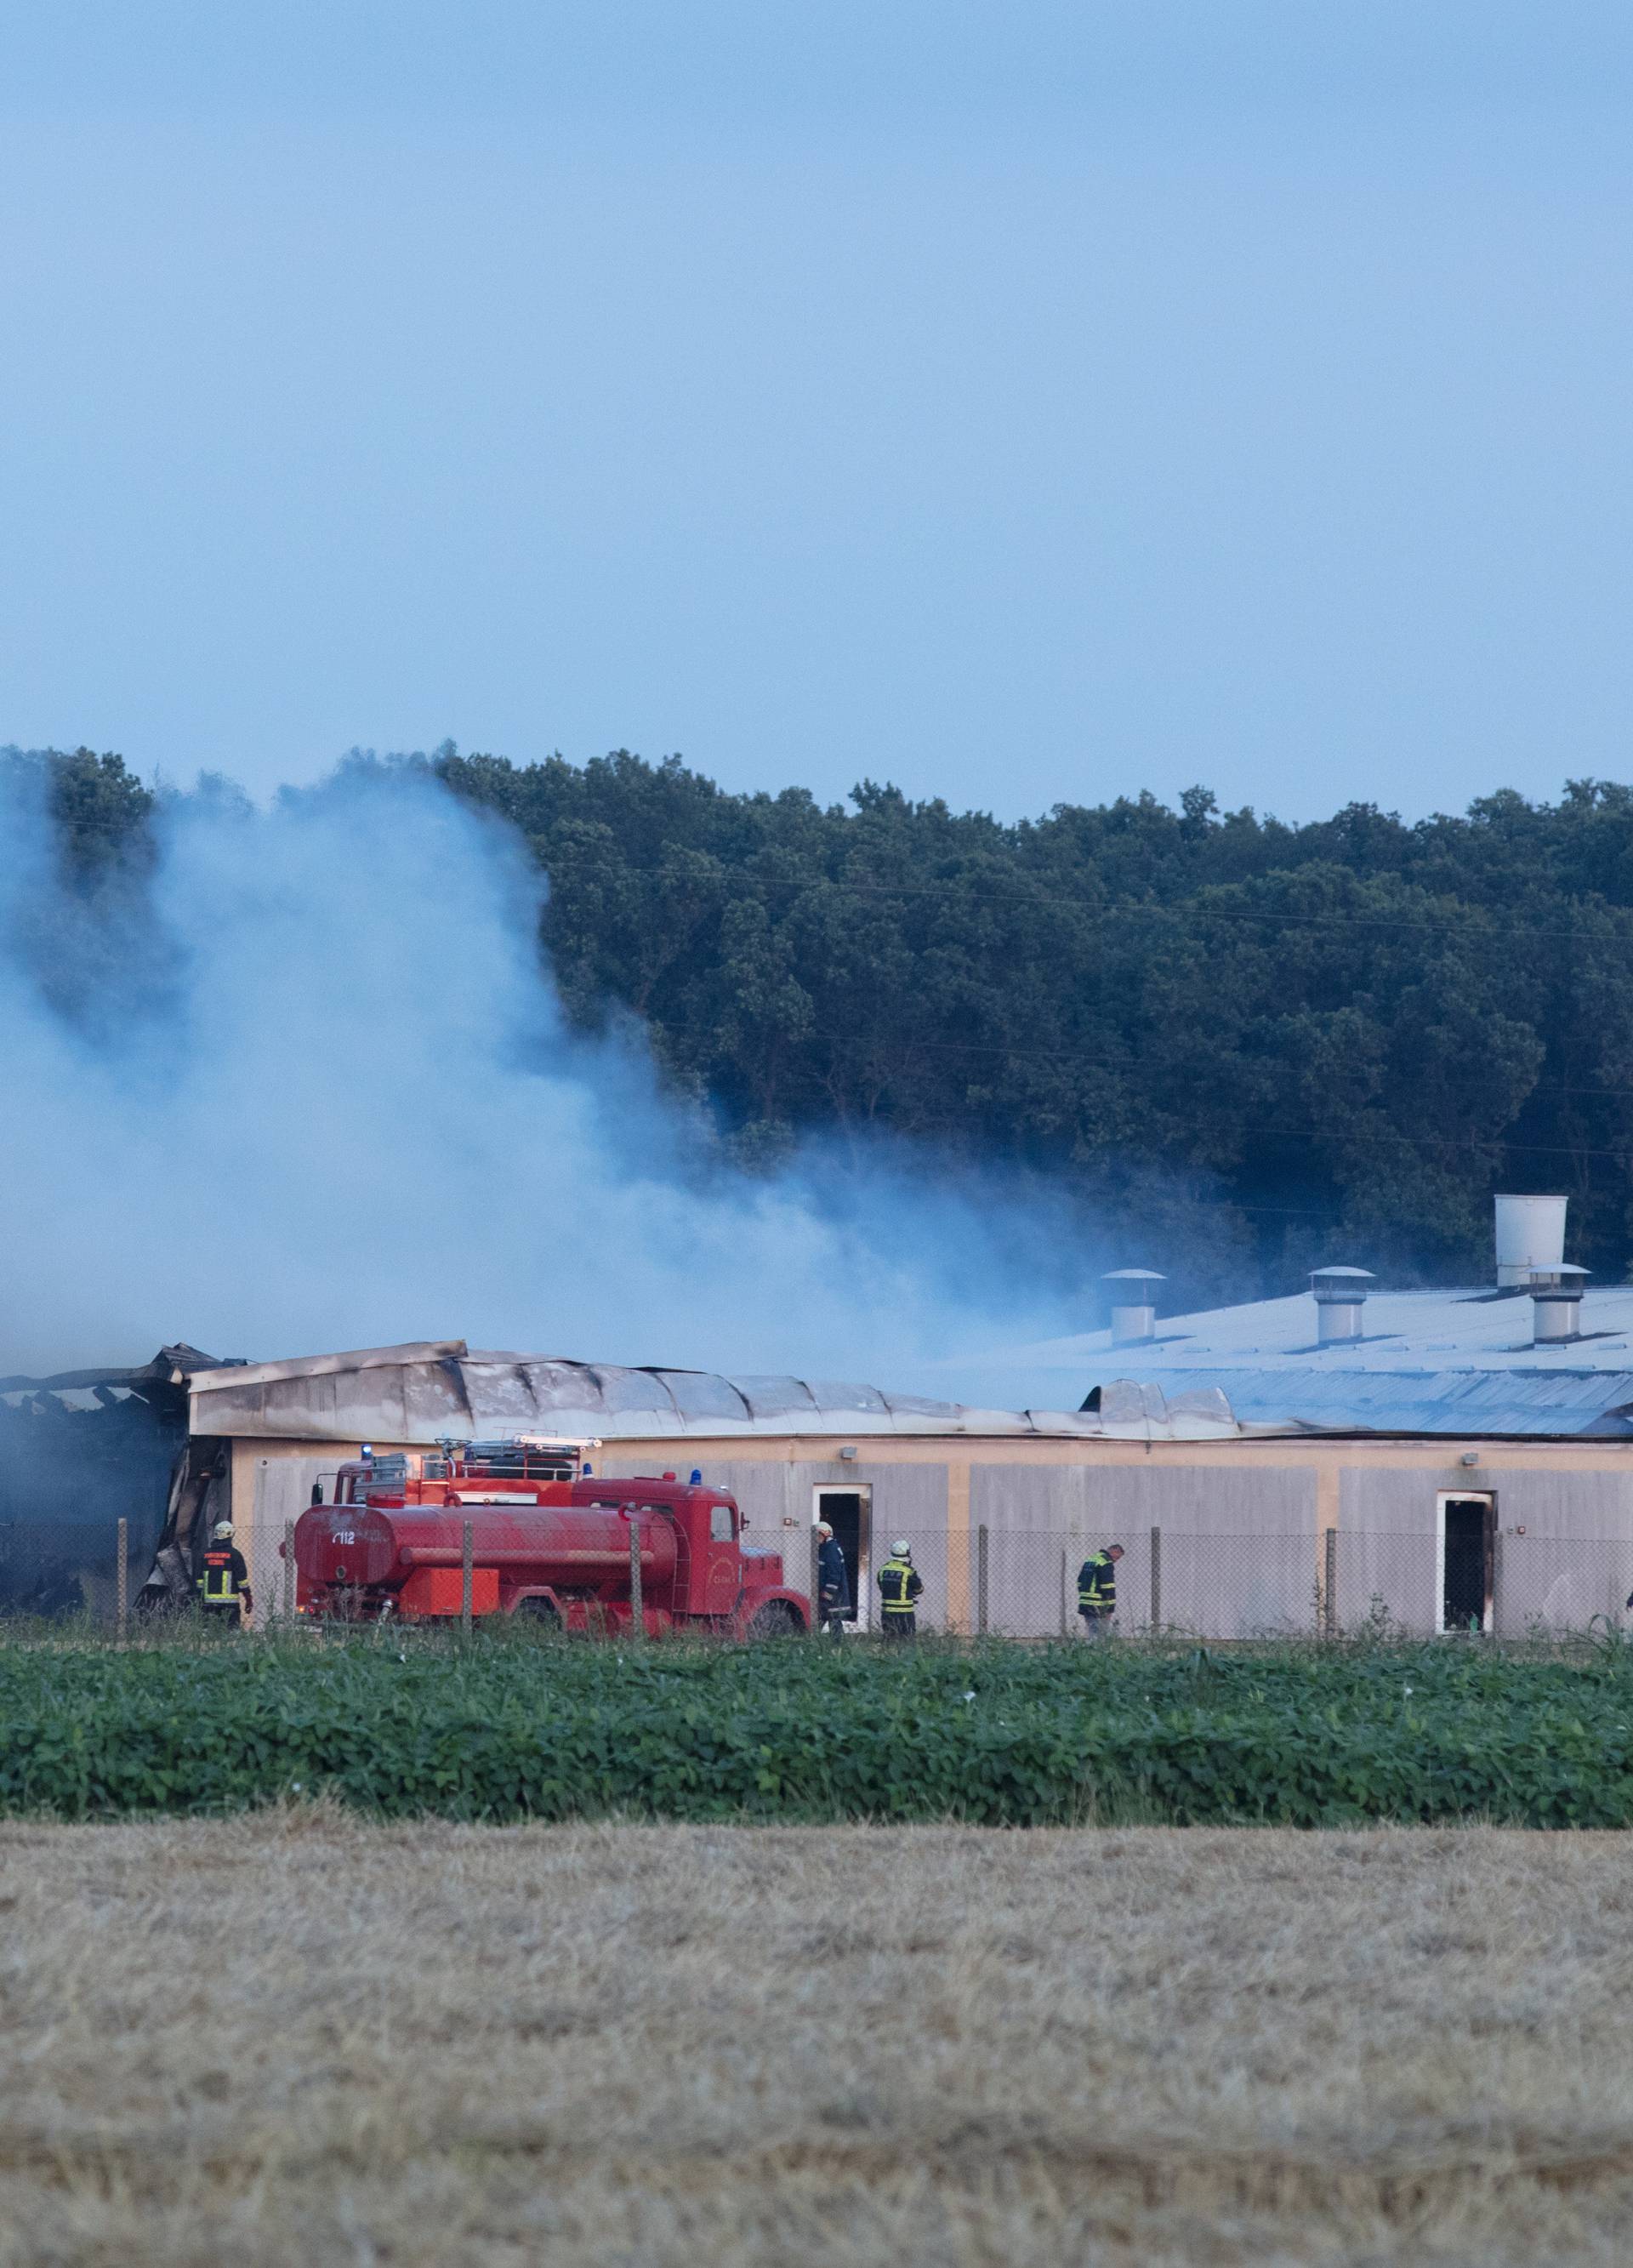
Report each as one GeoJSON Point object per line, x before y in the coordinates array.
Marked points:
{"type": "Point", "coordinates": [1530, 1238]}
{"type": "Point", "coordinates": [1133, 1303]}
{"type": "Point", "coordinates": [1557, 1304]}
{"type": "Point", "coordinates": [1340, 1294]}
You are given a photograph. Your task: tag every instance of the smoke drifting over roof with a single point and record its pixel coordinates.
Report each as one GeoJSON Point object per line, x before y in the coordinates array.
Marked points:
{"type": "Point", "coordinates": [304, 1084]}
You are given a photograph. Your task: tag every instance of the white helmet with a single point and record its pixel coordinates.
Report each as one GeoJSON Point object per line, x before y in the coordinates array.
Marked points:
{"type": "Point", "coordinates": [823, 1529]}
{"type": "Point", "coordinates": [900, 1549]}
{"type": "Point", "coordinates": [222, 1532]}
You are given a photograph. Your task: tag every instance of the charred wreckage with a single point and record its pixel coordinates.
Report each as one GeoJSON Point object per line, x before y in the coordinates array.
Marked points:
{"type": "Point", "coordinates": [83, 1450]}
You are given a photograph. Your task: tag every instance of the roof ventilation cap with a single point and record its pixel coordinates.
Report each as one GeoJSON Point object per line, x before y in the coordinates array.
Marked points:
{"type": "Point", "coordinates": [1530, 1236]}
{"type": "Point", "coordinates": [1133, 1303]}
{"type": "Point", "coordinates": [1556, 1303]}
{"type": "Point", "coordinates": [1339, 1293]}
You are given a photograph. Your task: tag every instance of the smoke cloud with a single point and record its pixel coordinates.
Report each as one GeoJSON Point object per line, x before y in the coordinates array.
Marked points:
{"type": "Point", "coordinates": [304, 1084]}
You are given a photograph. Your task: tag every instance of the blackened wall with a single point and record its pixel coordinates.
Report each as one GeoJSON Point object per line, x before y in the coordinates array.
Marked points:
{"type": "Point", "coordinates": [67, 1477]}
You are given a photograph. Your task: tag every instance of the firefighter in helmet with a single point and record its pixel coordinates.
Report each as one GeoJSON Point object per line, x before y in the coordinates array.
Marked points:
{"type": "Point", "coordinates": [833, 1581]}
{"type": "Point", "coordinates": [224, 1580]}
{"type": "Point", "coordinates": [1097, 1590]}
{"type": "Point", "coordinates": [900, 1584]}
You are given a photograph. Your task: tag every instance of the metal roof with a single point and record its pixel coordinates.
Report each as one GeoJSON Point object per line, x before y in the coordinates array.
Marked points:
{"type": "Point", "coordinates": [1429, 1362]}
{"type": "Point", "coordinates": [1421, 1402]}
{"type": "Point", "coordinates": [436, 1388]}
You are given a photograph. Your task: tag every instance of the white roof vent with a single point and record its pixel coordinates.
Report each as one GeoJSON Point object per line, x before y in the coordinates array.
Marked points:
{"type": "Point", "coordinates": [1340, 1294]}
{"type": "Point", "coordinates": [1133, 1303]}
{"type": "Point", "coordinates": [1557, 1304]}
{"type": "Point", "coordinates": [1530, 1237]}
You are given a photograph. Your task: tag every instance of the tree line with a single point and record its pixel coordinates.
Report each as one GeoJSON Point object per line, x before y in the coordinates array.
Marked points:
{"type": "Point", "coordinates": [1253, 1045]}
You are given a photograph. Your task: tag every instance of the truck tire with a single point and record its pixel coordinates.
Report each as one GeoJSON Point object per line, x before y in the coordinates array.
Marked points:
{"type": "Point", "coordinates": [543, 1613]}
{"type": "Point", "coordinates": [776, 1619]}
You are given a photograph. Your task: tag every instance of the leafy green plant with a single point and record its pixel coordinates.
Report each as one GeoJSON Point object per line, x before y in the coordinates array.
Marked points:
{"type": "Point", "coordinates": [1006, 1735]}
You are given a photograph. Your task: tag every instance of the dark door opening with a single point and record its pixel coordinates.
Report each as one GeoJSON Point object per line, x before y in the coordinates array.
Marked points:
{"type": "Point", "coordinates": [842, 1511]}
{"type": "Point", "coordinates": [1469, 1556]}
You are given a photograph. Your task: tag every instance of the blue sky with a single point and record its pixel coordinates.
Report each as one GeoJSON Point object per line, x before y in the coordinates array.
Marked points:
{"type": "Point", "coordinates": [1021, 402]}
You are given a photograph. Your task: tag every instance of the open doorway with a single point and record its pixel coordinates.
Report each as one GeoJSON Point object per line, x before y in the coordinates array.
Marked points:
{"type": "Point", "coordinates": [1466, 1557]}
{"type": "Point", "coordinates": [849, 1512]}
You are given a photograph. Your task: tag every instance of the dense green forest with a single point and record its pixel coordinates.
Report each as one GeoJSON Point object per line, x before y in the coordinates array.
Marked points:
{"type": "Point", "coordinates": [1341, 1036]}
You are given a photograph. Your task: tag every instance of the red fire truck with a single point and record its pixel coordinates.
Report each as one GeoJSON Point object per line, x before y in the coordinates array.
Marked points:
{"type": "Point", "coordinates": [547, 1541]}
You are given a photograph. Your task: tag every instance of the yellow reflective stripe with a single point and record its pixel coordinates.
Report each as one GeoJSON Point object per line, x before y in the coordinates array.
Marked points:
{"type": "Point", "coordinates": [901, 1570]}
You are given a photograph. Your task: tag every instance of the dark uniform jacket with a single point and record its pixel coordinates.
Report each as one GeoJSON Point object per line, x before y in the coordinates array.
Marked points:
{"type": "Point", "coordinates": [900, 1584]}
{"type": "Point", "coordinates": [833, 1577]}
{"type": "Point", "coordinates": [1097, 1585]}
{"type": "Point", "coordinates": [223, 1580]}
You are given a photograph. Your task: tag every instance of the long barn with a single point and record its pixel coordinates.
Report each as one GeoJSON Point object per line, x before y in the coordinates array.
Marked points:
{"type": "Point", "coordinates": [1432, 1460]}
{"type": "Point", "coordinates": [1230, 1526]}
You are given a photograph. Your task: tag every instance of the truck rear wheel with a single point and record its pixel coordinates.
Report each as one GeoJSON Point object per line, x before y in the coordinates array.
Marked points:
{"type": "Point", "coordinates": [543, 1613]}
{"type": "Point", "coordinates": [776, 1619]}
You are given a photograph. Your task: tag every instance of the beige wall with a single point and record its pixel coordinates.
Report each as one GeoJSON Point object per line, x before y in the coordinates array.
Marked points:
{"type": "Point", "coordinates": [1240, 1520]}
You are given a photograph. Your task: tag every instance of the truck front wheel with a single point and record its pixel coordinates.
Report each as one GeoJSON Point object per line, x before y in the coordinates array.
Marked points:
{"type": "Point", "coordinates": [776, 1619]}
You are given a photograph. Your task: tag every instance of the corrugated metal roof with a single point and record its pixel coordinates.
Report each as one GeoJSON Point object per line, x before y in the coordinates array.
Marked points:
{"type": "Point", "coordinates": [1431, 1362]}
{"type": "Point", "coordinates": [434, 1388]}
{"type": "Point", "coordinates": [1423, 1401]}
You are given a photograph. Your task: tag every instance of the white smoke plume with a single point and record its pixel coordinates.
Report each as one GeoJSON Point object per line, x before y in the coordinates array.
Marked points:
{"type": "Point", "coordinates": [326, 1098]}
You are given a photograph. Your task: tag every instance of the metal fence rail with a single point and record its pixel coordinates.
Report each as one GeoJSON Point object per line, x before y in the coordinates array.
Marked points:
{"type": "Point", "coordinates": [1023, 1583]}
{"type": "Point", "coordinates": [1015, 1582]}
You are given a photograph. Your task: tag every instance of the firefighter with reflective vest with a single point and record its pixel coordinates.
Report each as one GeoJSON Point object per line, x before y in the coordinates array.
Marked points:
{"type": "Point", "coordinates": [900, 1584]}
{"type": "Point", "coordinates": [223, 1580]}
{"type": "Point", "coordinates": [1097, 1590]}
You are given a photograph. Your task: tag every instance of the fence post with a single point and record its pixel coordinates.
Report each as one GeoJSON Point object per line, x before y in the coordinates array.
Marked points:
{"type": "Point", "coordinates": [637, 1605]}
{"type": "Point", "coordinates": [1330, 1583]}
{"type": "Point", "coordinates": [816, 1587]}
{"type": "Point", "coordinates": [1065, 1625]}
{"type": "Point", "coordinates": [467, 1554]}
{"type": "Point", "coordinates": [121, 1595]}
{"type": "Point", "coordinates": [1156, 1578]}
{"type": "Point", "coordinates": [980, 1580]}
{"type": "Point", "coordinates": [1496, 1582]}
{"type": "Point", "coordinates": [289, 1571]}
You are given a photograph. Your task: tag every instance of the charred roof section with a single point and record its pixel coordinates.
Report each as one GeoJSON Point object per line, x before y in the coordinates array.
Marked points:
{"type": "Point", "coordinates": [80, 1451]}
{"type": "Point", "coordinates": [432, 1388]}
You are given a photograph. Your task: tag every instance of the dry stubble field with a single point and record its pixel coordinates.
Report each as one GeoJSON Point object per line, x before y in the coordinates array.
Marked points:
{"type": "Point", "coordinates": [298, 2038]}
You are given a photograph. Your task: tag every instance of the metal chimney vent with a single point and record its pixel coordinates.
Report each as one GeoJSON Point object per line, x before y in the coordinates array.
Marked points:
{"type": "Point", "coordinates": [1133, 1303]}
{"type": "Point", "coordinates": [1557, 1304]}
{"type": "Point", "coordinates": [1530, 1238]}
{"type": "Point", "coordinates": [1340, 1294]}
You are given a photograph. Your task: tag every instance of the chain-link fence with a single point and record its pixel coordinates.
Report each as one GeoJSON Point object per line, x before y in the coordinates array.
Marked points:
{"type": "Point", "coordinates": [1023, 1583]}
{"type": "Point", "coordinates": [1026, 1582]}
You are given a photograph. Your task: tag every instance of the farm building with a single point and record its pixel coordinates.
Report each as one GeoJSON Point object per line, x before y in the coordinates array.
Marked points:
{"type": "Point", "coordinates": [1447, 1459]}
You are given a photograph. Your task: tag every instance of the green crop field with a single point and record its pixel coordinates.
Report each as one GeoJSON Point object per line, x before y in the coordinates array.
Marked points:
{"type": "Point", "coordinates": [997, 1734]}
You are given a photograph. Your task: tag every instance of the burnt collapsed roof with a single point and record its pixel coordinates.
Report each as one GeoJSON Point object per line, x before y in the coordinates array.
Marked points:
{"type": "Point", "coordinates": [167, 1370]}
{"type": "Point", "coordinates": [81, 1452]}
{"type": "Point", "coordinates": [430, 1389]}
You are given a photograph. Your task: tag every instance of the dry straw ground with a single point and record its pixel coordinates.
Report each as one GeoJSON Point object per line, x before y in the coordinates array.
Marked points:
{"type": "Point", "coordinates": [297, 2038]}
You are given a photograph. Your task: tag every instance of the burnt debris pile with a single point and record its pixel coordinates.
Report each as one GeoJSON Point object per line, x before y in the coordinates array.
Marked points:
{"type": "Point", "coordinates": [79, 1453]}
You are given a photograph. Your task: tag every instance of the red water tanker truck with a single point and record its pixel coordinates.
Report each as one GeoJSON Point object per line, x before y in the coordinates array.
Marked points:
{"type": "Point", "coordinates": [545, 1543]}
